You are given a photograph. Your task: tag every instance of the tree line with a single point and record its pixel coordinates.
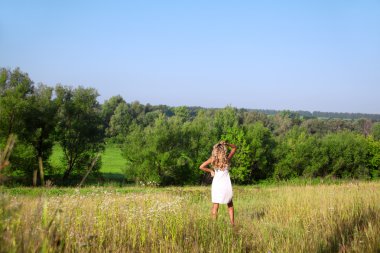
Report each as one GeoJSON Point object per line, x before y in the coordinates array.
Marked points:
{"type": "Point", "coordinates": [165, 145]}
{"type": "Point", "coordinates": [326, 115]}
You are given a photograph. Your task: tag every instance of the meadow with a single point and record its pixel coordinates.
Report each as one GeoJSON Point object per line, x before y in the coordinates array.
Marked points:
{"type": "Point", "coordinates": [112, 160]}
{"type": "Point", "coordinates": [305, 218]}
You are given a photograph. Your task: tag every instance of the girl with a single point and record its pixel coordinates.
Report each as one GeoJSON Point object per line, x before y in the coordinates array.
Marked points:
{"type": "Point", "coordinates": [221, 190]}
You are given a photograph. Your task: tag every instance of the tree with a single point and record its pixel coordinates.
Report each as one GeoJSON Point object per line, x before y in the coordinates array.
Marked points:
{"type": "Point", "coordinates": [282, 122]}
{"type": "Point", "coordinates": [41, 123]}
{"type": "Point", "coordinates": [6, 152]}
{"type": "Point", "coordinates": [108, 109]}
{"type": "Point", "coordinates": [137, 111]}
{"type": "Point", "coordinates": [363, 126]}
{"type": "Point", "coordinates": [295, 154]}
{"type": "Point", "coordinates": [347, 155]}
{"type": "Point", "coordinates": [262, 144]}
{"type": "Point", "coordinates": [202, 136]}
{"type": "Point", "coordinates": [241, 165]}
{"type": "Point", "coordinates": [183, 113]}
{"type": "Point", "coordinates": [251, 117]}
{"type": "Point", "coordinates": [315, 126]}
{"type": "Point", "coordinates": [16, 88]}
{"type": "Point", "coordinates": [224, 120]}
{"type": "Point", "coordinates": [338, 125]}
{"type": "Point", "coordinates": [80, 127]}
{"type": "Point", "coordinates": [163, 153]}
{"type": "Point", "coordinates": [376, 131]}
{"type": "Point", "coordinates": [120, 122]}
{"type": "Point", "coordinates": [374, 158]}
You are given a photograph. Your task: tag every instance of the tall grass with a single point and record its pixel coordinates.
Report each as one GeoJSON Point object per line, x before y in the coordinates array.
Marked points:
{"type": "Point", "coordinates": [321, 218]}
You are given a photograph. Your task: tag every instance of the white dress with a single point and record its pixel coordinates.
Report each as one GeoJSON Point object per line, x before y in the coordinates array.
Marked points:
{"type": "Point", "coordinates": [221, 189]}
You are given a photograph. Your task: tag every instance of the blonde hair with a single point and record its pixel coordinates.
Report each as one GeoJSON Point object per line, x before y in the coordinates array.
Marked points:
{"type": "Point", "coordinates": [219, 159]}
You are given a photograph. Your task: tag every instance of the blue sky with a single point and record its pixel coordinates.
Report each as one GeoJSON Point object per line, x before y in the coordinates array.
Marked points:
{"type": "Point", "coordinates": [296, 55]}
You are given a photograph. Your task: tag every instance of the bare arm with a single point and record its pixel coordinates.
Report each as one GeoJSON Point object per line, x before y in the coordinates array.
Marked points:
{"type": "Point", "coordinates": [231, 154]}
{"type": "Point", "coordinates": [205, 168]}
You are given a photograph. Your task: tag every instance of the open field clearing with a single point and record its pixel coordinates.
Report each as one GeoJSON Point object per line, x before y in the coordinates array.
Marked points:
{"type": "Point", "coordinates": [112, 159]}
{"type": "Point", "coordinates": [322, 218]}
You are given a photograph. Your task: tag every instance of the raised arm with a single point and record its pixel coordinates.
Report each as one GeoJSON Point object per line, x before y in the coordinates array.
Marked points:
{"type": "Point", "coordinates": [205, 168]}
{"type": "Point", "coordinates": [231, 154]}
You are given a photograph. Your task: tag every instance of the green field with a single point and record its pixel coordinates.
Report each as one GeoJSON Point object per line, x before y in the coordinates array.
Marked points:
{"type": "Point", "coordinates": [112, 160]}
{"type": "Point", "coordinates": [319, 218]}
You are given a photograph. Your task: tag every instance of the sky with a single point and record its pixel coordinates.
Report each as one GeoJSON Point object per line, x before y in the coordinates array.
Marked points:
{"type": "Point", "coordinates": [319, 55]}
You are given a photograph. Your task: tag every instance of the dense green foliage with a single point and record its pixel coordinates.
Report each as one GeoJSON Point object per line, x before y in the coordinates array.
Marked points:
{"type": "Point", "coordinates": [72, 118]}
{"type": "Point", "coordinates": [79, 127]}
{"type": "Point", "coordinates": [165, 145]}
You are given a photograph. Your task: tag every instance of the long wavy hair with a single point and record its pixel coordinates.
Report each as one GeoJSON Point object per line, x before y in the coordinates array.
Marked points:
{"type": "Point", "coordinates": [219, 159]}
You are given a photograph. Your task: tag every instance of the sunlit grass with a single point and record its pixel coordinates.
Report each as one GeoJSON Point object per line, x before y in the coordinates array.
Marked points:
{"type": "Point", "coordinates": [322, 218]}
{"type": "Point", "coordinates": [56, 157]}
{"type": "Point", "coordinates": [112, 159]}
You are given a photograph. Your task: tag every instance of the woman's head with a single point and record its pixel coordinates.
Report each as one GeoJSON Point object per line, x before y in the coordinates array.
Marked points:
{"type": "Point", "coordinates": [219, 155]}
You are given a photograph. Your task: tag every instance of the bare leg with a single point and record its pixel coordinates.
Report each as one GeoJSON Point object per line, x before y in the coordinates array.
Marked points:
{"type": "Point", "coordinates": [231, 212]}
{"type": "Point", "coordinates": [214, 210]}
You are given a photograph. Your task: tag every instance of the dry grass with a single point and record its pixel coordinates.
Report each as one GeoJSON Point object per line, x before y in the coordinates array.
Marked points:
{"type": "Point", "coordinates": [334, 218]}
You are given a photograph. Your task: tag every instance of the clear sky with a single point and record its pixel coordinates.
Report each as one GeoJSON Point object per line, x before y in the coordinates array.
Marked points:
{"type": "Point", "coordinates": [321, 55]}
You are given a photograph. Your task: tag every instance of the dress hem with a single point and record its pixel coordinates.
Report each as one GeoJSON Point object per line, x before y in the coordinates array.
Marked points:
{"type": "Point", "coordinates": [222, 202]}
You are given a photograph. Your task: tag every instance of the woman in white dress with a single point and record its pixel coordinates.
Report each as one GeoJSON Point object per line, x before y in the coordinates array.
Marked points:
{"type": "Point", "coordinates": [221, 190]}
